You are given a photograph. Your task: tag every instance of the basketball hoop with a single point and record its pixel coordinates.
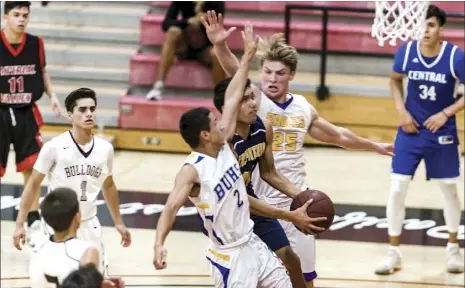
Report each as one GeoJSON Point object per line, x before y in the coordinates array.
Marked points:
{"type": "Point", "coordinates": [402, 20]}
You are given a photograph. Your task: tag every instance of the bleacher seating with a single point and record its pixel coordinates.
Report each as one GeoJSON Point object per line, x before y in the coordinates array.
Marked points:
{"type": "Point", "coordinates": [138, 113]}
{"type": "Point", "coordinates": [279, 6]}
{"type": "Point", "coordinates": [303, 35]}
{"type": "Point", "coordinates": [184, 74]}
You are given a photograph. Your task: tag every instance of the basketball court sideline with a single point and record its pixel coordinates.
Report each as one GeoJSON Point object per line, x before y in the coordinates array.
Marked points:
{"type": "Point", "coordinates": [357, 182]}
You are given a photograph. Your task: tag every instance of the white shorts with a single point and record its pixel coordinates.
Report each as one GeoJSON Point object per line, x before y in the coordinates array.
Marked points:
{"type": "Point", "coordinates": [90, 230]}
{"type": "Point", "coordinates": [304, 246]}
{"type": "Point", "coordinates": [251, 264]}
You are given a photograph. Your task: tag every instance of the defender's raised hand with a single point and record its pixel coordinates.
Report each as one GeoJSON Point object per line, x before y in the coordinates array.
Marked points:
{"type": "Point", "coordinates": [250, 42]}
{"type": "Point", "coordinates": [215, 28]}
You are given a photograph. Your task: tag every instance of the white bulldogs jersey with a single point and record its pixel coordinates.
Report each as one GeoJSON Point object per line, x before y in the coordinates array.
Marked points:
{"type": "Point", "coordinates": [222, 203]}
{"type": "Point", "coordinates": [290, 126]}
{"type": "Point", "coordinates": [83, 169]}
{"type": "Point", "coordinates": [52, 261]}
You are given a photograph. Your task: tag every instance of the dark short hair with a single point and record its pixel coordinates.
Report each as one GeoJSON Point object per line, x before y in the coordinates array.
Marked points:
{"type": "Point", "coordinates": [59, 208]}
{"type": "Point", "coordinates": [435, 11]}
{"type": "Point", "coordinates": [10, 5]}
{"type": "Point", "coordinates": [192, 123]}
{"type": "Point", "coordinates": [81, 93]}
{"type": "Point", "coordinates": [87, 276]}
{"type": "Point", "coordinates": [220, 91]}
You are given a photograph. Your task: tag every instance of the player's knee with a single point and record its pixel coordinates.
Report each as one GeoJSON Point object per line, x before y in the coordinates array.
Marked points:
{"type": "Point", "coordinates": [289, 258]}
{"type": "Point", "coordinates": [398, 189]}
{"type": "Point", "coordinates": [449, 189]}
{"type": "Point", "coordinates": [172, 34]}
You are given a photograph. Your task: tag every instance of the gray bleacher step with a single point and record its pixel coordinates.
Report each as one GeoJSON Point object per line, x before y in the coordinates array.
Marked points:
{"type": "Point", "coordinates": [348, 64]}
{"type": "Point", "coordinates": [360, 89]}
{"type": "Point", "coordinates": [90, 83]}
{"type": "Point", "coordinates": [105, 117]}
{"type": "Point", "coordinates": [85, 34]}
{"type": "Point", "coordinates": [86, 73]}
{"type": "Point", "coordinates": [88, 55]}
{"type": "Point", "coordinates": [88, 13]}
{"type": "Point", "coordinates": [107, 98]}
{"type": "Point", "coordinates": [143, 4]}
{"type": "Point", "coordinates": [310, 62]}
{"type": "Point", "coordinates": [173, 92]}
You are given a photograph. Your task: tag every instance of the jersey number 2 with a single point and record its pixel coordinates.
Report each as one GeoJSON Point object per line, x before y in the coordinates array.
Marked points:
{"type": "Point", "coordinates": [239, 201]}
{"type": "Point", "coordinates": [13, 81]}
{"type": "Point", "coordinates": [427, 92]}
{"type": "Point", "coordinates": [52, 280]}
{"type": "Point", "coordinates": [83, 191]}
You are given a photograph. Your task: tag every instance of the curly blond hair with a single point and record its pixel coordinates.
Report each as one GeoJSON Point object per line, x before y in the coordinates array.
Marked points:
{"type": "Point", "coordinates": [275, 48]}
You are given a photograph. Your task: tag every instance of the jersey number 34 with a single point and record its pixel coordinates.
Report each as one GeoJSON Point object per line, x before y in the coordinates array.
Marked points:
{"type": "Point", "coordinates": [427, 92]}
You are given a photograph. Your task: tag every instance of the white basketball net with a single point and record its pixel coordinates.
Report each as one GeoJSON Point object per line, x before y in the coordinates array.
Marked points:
{"type": "Point", "coordinates": [402, 20]}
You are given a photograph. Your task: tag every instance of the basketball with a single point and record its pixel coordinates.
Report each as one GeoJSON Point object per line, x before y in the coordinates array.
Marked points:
{"type": "Point", "coordinates": [322, 206]}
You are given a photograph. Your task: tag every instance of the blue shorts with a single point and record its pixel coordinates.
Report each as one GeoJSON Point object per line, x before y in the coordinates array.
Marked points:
{"type": "Point", "coordinates": [270, 231]}
{"type": "Point", "coordinates": [440, 153]}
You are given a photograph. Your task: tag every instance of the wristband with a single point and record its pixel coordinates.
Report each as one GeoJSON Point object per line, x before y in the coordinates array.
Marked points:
{"type": "Point", "coordinates": [445, 113]}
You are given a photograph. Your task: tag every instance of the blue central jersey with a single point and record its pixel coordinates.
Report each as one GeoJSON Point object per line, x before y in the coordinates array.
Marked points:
{"type": "Point", "coordinates": [431, 81]}
{"type": "Point", "coordinates": [249, 151]}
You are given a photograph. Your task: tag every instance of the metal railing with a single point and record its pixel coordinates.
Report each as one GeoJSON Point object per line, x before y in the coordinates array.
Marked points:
{"type": "Point", "coordinates": [323, 92]}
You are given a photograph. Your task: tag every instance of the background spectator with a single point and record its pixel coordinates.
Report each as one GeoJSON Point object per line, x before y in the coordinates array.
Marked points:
{"type": "Point", "coordinates": [186, 39]}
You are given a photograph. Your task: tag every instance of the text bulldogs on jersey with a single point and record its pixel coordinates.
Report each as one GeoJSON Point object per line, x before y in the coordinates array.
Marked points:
{"type": "Point", "coordinates": [227, 181]}
{"type": "Point", "coordinates": [77, 170]}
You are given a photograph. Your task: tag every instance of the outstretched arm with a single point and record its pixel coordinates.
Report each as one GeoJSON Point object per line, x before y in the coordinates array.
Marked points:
{"type": "Point", "coordinates": [324, 131]}
{"type": "Point", "coordinates": [217, 35]}
{"type": "Point", "coordinates": [183, 184]}
{"type": "Point", "coordinates": [268, 171]}
{"type": "Point", "coordinates": [299, 217]}
{"type": "Point", "coordinates": [235, 91]}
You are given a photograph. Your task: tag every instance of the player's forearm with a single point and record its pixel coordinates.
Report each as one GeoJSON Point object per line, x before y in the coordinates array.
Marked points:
{"type": "Point", "coordinates": [237, 86]}
{"type": "Point", "coordinates": [28, 196]}
{"type": "Point", "coordinates": [261, 208]}
{"type": "Point", "coordinates": [227, 59]}
{"type": "Point", "coordinates": [165, 224]}
{"type": "Point", "coordinates": [280, 183]}
{"type": "Point", "coordinates": [350, 140]}
{"type": "Point", "coordinates": [48, 84]}
{"type": "Point", "coordinates": [111, 196]}
{"type": "Point", "coordinates": [397, 93]}
{"type": "Point", "coordinates": [455, 108]}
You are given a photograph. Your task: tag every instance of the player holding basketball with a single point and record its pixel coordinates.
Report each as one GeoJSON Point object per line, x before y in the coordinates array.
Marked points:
{"type": "Point", "coordinates": [23, 79]}
{"type": "Point", "coordinates": [252, 142]}
{"type": "Point", "coordinates": [428, 131]}
{"type": "Point", "coordinates": [292, 117]}
{"type": "Point", "coordinates": [83, 162]}
{"type": "Point", "coordinates": [237, 256]}
{"type": "Point", "coordinates": [53, 260]}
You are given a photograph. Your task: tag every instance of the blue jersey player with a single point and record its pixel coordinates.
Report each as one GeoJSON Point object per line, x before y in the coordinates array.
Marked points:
{"type": "Point", "coordinates": [252, 143]}
{"type": "Point", "coordinates": [428, 132]}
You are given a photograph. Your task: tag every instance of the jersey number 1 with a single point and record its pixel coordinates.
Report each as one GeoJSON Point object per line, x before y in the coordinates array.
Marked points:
{"type": "Point", "coordinates": [83, 191]}
{"type": "Point", "coordinates": [427, 92]}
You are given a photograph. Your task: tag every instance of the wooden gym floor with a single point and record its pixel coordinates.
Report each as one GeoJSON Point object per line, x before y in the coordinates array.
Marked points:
{"type": "Point", "coordinates": [358, 182]}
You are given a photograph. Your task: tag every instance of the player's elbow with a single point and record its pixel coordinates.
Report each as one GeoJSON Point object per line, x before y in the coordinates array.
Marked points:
{"type": "Point", "coordinates": [91, 255]}
{"type": "Point", "coordinates": [395, 82]}
{"type": "Point", "coordinates": [268, 174]}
